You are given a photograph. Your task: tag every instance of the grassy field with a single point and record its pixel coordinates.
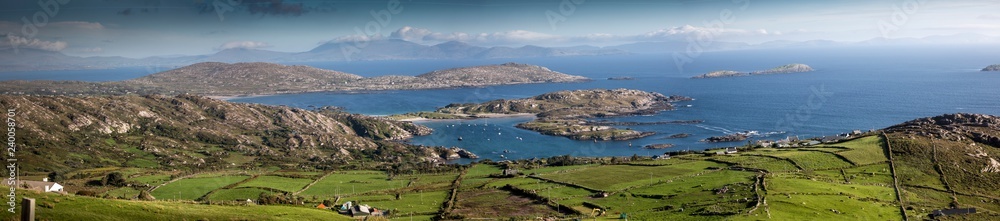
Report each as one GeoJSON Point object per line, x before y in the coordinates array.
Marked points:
{"type": "Point", "coordinates": [353, 183]}
{"type": "Point", "coordinates": [237, 194]}
{"type": "Point", "coordinates": [277, 182]}
{"type": "Point", "coordinates": [846, 181]}
{"type": "Point", "coordinates": [194, 188]}
{"type": "Point", "coordinates": [69, 207]}
{"type": "Point", "coordinates": [610, 177]}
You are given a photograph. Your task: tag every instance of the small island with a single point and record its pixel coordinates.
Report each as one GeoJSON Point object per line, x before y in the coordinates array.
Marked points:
{"type": "Point", "coordinates": [995, 67]}
{"type": "Point", "coordinates": [565, 113]}
{"type": "Point", "coordinates": [621, 78]}
{"type": "Point", "coordinates": [784, 69]}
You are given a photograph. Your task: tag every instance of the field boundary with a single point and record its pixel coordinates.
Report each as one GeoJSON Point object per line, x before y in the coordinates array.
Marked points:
{"type": "Point", "coordinates": [895, 178]}
{"type": "Point", "coordinates": [296, 193]}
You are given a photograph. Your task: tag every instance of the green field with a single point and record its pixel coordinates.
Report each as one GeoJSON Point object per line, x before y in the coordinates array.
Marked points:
{"type": "Point", "coordinates": [69, 207]}
{"type": "Point", "coordinates": [353, 183]}
{"type": "Point", "coordinates": [237, 194]}
{"type": "Point", "coordinates": [194, 188]}
{"type": "Point", "coordinates": [813, 160]}
{"type": "Point", "coordinates": [284, 184]}
{"type": "Point", "coordinates": [611, 177]}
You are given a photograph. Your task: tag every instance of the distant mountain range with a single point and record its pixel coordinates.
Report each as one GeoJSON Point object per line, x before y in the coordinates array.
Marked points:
{"type": "Point", "coordinates": [396, 49]}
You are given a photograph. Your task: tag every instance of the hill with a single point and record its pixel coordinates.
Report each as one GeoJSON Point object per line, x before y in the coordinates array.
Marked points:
{"type": "Point", "coordinates": [69, 133]}
{"type": "Point", "coordinates": [995, 67]}
{"type": "Point", "coordinates": [948, 161]}
{"type": "Point", "coordinates": [258, 78]}
{"type": "Point", "coordinates": [245, 78]}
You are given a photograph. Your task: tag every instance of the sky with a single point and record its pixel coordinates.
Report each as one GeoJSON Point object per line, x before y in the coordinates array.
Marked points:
{"type": "Point", "coordinates": [144, 28]}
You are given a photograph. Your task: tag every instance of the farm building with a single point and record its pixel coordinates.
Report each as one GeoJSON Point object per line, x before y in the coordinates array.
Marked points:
{"type": "Point", "coordinates": [43, 186]}
{"type": "Point", "coordinates": [949, 212]}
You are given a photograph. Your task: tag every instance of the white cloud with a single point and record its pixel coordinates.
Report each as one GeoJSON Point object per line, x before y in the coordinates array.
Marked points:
{"type": "Point", "coordinates": [410, 33]}
{"type": "Point", "coordinates": [22, 42]}
{"type": "Point", "coordinates": [243, 45]}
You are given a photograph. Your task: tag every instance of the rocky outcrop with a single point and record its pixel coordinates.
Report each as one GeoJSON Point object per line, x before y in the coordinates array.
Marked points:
{"type": "Point", "coordinates": [658, 146]}
{"type": "Point", "coordinates": [727, 138]}
{"type": "Point", "coordinates": [995, 67]}
{"type": "Point", "coordinates": [957, 127]}
{"type": "Point", "coordinates": [719, 74]}
{"type": "Point", "coordinates": [784, 69]}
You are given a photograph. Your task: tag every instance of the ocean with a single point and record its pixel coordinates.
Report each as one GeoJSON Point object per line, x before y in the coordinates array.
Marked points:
{"type": "Point", "coordinates": [852, 88]}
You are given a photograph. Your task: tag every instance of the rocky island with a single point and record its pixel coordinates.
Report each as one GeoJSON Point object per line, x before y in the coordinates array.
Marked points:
{"type": "Point", "coordinates": [995, 67]}
{"type": "Point", "coordinates": [564, 113]}
{"type": "Point", "coordinates": [260, 78]}
{"type": "Point", "coordinates": [784, 69]}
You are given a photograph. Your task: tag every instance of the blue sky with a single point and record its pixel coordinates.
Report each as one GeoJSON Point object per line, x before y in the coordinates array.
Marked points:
{"type": "Point", "coordinates": [159, 27]}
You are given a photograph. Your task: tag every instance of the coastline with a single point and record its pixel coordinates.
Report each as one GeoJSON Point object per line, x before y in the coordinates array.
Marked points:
{"type": "Point", "coordinates": [472, 117]}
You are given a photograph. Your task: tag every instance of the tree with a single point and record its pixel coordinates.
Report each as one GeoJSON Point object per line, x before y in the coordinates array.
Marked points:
{"type": "Point", "coordinates": [56, 177]}
{"type": "Point", "coordinates": [113, 179]}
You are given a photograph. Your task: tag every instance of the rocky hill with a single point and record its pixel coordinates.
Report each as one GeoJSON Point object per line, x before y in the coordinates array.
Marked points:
{"type": "Point", "coordinates": [59, 133]}
{"type": "Point", "coordinates": [222, 79]}
{"type": "Point", "coordinates": [995, 67]}
{"type": "Point", "coordinates": [784, 69]}
{"type": "Point", "coordinates": [239, 78]}
{"type": "Point", "coordinates": [508, 73]}
{"type": "Point", "coordinates": [950, 160]}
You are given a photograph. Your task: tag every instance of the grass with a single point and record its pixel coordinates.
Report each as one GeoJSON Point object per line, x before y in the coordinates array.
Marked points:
{"type": "Point", "coordinates": [827, 207]}
{"type": "Point", "coordinates": [617, 177]}
{"type": "Point", "coordinates": [194, 188]}
{"type": "Point", "coordinates": [152, 180]}
{"type": "Point", "coordinates": [780, 185]}
{"type": "Point", "coordinates": [417, 203]}
{"type": "Point", "coordinates": [277, 182]}
{"type": "Point", "coordinates": [352, 183]}
{"type": "Point", "coordinates": [237, 194]}
{"type": "Point", "coordinates": [813, 160]}
{"type": "Point", "coordinates": [70, 207]}
{"type": "Point", "coordinates": [482, 170]}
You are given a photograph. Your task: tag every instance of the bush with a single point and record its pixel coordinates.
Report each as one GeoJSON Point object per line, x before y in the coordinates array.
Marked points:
{"type": "Point", "coordinates": [113, 179]}
{"type": "Point", "coordinates": [86, 193]}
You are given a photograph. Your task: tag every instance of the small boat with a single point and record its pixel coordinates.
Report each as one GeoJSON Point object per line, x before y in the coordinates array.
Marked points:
{"type": "Point", "coordinates": [459, 138]}
{"type": "Point", "coordinates": [506, 151]}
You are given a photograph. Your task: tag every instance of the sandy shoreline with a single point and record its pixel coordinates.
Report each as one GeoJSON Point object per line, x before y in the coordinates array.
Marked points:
{"type": "Point", "coordinates": [477, 116]}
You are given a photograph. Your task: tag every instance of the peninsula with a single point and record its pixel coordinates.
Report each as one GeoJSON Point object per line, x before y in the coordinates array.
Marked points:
{"type": "Point", "coordinates": [260, 78]}
{"type": "Point", "coordinates": [564, 113]}
{"type": "Point", "coordinates": [995, 67]}
{"type": "Point", "coordinates": [784, 69]}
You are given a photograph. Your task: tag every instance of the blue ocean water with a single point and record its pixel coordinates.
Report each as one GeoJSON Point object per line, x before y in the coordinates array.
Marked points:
{"type": "Point", "coordinates": [852, 88]}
